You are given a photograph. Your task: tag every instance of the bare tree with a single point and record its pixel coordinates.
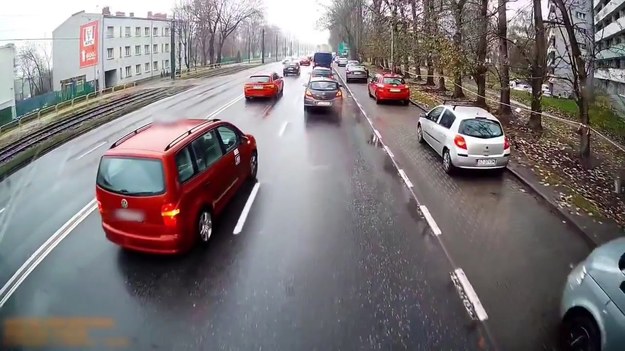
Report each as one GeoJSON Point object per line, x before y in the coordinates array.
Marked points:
{"type": "Point", "coordinates": [504, 62]}
{"type": "Point", "coordinates": [539, 66]}
{"type": "Point", "coordinates": [230, 15]}
{"type": "Point", "coordinates": [34, 62]}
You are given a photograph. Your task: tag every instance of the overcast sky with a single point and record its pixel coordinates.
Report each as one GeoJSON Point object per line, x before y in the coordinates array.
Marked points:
{"type": "Point", "coordinates": [38, 18]}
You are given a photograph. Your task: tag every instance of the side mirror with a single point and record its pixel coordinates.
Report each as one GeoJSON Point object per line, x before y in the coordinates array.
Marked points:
{"type": "Point", "coordinates": [422, 115]}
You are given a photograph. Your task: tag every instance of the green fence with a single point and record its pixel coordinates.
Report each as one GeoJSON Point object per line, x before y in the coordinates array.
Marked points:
{"type": "Point", "coordinates": [6, 116]}
{"type": "Point", "coordinates": [72, 91]}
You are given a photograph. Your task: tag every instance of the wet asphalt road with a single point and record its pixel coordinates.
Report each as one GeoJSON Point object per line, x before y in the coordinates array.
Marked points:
{"type": "Point", "coordinates": [332, 256]}
{"type": "Point", "coordinates": [513, 249]}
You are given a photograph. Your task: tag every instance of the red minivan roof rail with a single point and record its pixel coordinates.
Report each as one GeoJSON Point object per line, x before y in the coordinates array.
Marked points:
{"type": "Point", "coordinates": [189, 132]}
{"type": "Point", "coordinates": [131, 134]}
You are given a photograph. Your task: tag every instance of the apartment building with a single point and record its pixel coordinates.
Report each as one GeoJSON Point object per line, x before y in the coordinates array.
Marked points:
{"type": "Point", "coordinates": [558, 56]}
{"type": "Point", "coordinates": [609, 23]}
{"type": "Point", "coordinates": [7, 79]}
{"type": "Point", "coordinates": [110, 49]}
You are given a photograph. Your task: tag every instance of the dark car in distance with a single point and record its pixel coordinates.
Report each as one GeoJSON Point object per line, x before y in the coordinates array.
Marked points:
{"type": "Point", "coordinates": [356, 73]}
{"type": "Point", "coordinates": [291, 67]}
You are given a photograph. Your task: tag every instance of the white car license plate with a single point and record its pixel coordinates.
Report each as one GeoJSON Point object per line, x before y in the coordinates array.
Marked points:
{"type": "Point", "coordinates": [487, 162]}
{"type": "Point", "coordinates": [129, 215]}
{"type": "Point", "coordinates": [395, 90]}
{"type": "Point", "coordinates": [258, 87]}
{"type": "Point", "coordinates": [324, 103]}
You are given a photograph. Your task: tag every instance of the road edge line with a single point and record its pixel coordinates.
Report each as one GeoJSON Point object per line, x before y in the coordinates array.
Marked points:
{"type": "Point", "coordinates": [44, 250]}
{"type": "Point", "coordinates": [430, 219]}
{"type": "Point", "coordinates": [465, 289]}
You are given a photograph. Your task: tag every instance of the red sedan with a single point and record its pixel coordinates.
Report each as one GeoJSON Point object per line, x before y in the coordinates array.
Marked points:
{"type": "Point", "coordinates": [389, 87]}
{"type": "Point", "coordinates": [305, 61]}
{"type": "Point", "coordinates": [264, 86]}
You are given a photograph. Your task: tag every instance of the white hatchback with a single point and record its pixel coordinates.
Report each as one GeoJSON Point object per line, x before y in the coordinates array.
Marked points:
{"type": "Point", "coordinates": [465, 136]}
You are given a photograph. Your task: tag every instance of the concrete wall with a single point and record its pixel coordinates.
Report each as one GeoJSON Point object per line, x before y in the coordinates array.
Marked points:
{"type": "Point", "coordinates": [7, 78]}
{"type": "Point", "coordinates": [113, 40]}
{"type": "Point", "coordinates": [65, 50]}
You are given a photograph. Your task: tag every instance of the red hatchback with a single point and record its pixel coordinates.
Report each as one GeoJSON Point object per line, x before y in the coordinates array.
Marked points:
{"type": "Point", "coordinates": [305, 61]}
{"type": "Point", "coordinates": [264, 86]}
{"type": "Point", "coordinates": [160, 187]}
{"type": "Point", "coordinates": [388, 86]}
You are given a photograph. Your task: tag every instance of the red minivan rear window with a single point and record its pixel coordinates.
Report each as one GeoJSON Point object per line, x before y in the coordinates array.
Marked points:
{"type": "Point", "coordinates": [131, 176]}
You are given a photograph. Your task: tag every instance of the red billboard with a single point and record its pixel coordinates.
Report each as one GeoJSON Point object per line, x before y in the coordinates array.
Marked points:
{"type": "Point", "coordinates": [89, 41]}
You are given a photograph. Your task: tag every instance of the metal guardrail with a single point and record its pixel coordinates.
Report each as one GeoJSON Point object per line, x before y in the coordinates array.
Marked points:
{"type": "Point", "coordinates": [61, 105]}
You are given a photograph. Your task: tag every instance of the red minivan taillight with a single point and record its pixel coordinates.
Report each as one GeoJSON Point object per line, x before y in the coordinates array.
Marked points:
{"type": "Point", "coordinates": [169, 213]}
{"type": "Point", "coordinates": [460, 142]}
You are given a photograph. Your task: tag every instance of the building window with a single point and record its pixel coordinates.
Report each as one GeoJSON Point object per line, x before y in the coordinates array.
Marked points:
{"type": "Point", "coordinates": [582, 46]}
{"type": "Point", "coordinates": [127, 31]}
{"type": "Point", "coordinates": [155, 32]}
{"type": "Point", "coordinates": [155, 48]}
{"type": "Point", "coordinates": [147, 67]}
{"type": "Point", "coordinates": [155, 65]}
{"type": "Point", "coordinates": [166, 29]}
{"type": "Point", "coordinates": [147, 31]}
{"type": "Point", "coordinates": [137, 49]}
{"type": "Point", "coordinates": [120, 52]}
{"type": "Point", "coordinates": [166, 64]}
{"type": "Point", "coordinates": [127, 49]}
{"type": "Point", "coordinates": [128, 71]}
{"type": "Point", "coordinates": [138, 69]}
{"type": "Point", "coordinates": [109, 53]}
{"type": "Point", "coordinates": [147, 49]}
{"type": "Point", "coordinates": [580, 15]}
{"type": "Point", "coordinates": [581, 31]}
{"type": "Point", "coordinates": [121, 76]}
{"type": "Point", "coordinates": [137, 31]}
{"type": "Point", "coordinates": [166, 47]}
{"type": "Point", "coordinates": [110, 32]}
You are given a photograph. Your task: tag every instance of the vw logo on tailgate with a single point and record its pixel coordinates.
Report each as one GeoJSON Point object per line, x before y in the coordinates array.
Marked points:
{"type": "Point", "coordinates": [124, 203]}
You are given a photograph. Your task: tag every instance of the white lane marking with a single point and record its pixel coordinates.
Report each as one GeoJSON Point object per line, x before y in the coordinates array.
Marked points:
{"type": "Point", "coordinates": [283, 128]}
{"type": "Point", "coordinates": [430, 220]}
{"type": "Point", "coordinates": [467, 288]}
{"type": "Point", "coordinates": [91, 150]}
{"type": "Point", "coordinates": [2, 210]}
{"type": "Point", "coordinates": [35, 259]}
{"type": "Point", "coordinates": [377, 134]}
{"type": "Point", "coordinates": [404, 176]}
{"type": "Point", "coordinates": [246, 210]}
{"type": "Point", "coordinates": [388, 151]}
{"type": "Point", "coordinates": [224, 107]}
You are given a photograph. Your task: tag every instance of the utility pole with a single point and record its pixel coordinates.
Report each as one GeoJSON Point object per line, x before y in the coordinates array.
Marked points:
{"type": "Point", "coordinates": [173, 49]}
{"type": "Point", "coordinates": [262, 47]}
{"type": "Point", "coordinates": [276, 47]}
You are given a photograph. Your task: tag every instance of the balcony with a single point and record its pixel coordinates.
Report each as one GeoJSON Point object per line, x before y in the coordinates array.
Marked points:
{"type": "Point", "coordinates": [608, 9]}
{"type": "Point", "coordinates": [614, 51]}
{"type": "Point", "coordinates": [613, 74]}
{"type": "Point", "coordinates": [611, 29]}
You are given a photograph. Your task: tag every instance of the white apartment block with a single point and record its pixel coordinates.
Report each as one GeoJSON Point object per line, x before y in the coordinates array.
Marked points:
{"type": "Point", "coordinates": [129, 49]}
{"type": "Point", "coordinates": [610, 40]}
{"type": "Point", "coordinates": [558, 56]}
{"type": "Point", "coordinates": [7, 81]}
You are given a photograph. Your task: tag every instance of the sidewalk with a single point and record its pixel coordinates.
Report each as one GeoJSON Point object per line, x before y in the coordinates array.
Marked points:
{"type": "Point", "coordinates": [546, 163]}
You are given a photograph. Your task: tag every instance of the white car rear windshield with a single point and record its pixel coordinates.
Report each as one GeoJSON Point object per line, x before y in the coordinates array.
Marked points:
{"type": "Point", "coordinates": [259, 79]}
{"type": "Point", "coordinates": [131, 176]}
{"type": "Point", "coordinates": [321, 73]}
{"type": "Point", "coordinates": [327, 86]}
{"type": "Point", "coordinates": [480, 128]}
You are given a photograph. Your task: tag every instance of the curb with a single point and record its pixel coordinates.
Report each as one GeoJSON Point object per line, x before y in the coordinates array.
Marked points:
{"type": "Point", "coordinates": [570, 219]}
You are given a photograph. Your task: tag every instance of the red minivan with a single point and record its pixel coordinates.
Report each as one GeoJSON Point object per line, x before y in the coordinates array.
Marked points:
{"type": "Point", "coordinates": [160, 187]}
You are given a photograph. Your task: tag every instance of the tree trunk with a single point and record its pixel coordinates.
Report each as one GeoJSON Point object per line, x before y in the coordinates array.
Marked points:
{"type": "Point", "coordinates": [428, 6]}
{"type": "Point", "coordinates": [211, 48]}
{"type": "Point", "coordinates": [482, 48]}
{"type": "Point", "coordinates": [430, 78]}
{"type": "Point", "coordinates": [539, 62]}
{"type": "Point", "coordinates": [504, 62]}
{"type": "Point", "coordinates": [441, 80]}
{"type": "Point", "coordinates": [457, 39]}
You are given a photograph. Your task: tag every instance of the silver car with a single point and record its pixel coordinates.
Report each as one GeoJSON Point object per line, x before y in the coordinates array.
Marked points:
{"type": "Point", "coordinates": [465, 136]}
{"type": "Point", "coordinates": [342, 62]}
{"type": "Point", "coordinates": [352, 63]}
{"type": "Point", "coordinates": [356, 73]}
{"type": "Point", "coordinates": [593, 301]}
{"type": "Point", "coordinates": [323, 93]}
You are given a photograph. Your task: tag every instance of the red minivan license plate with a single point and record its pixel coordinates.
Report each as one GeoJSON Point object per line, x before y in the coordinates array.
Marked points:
{"type": "Point", "coordinates": [129, 215]}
